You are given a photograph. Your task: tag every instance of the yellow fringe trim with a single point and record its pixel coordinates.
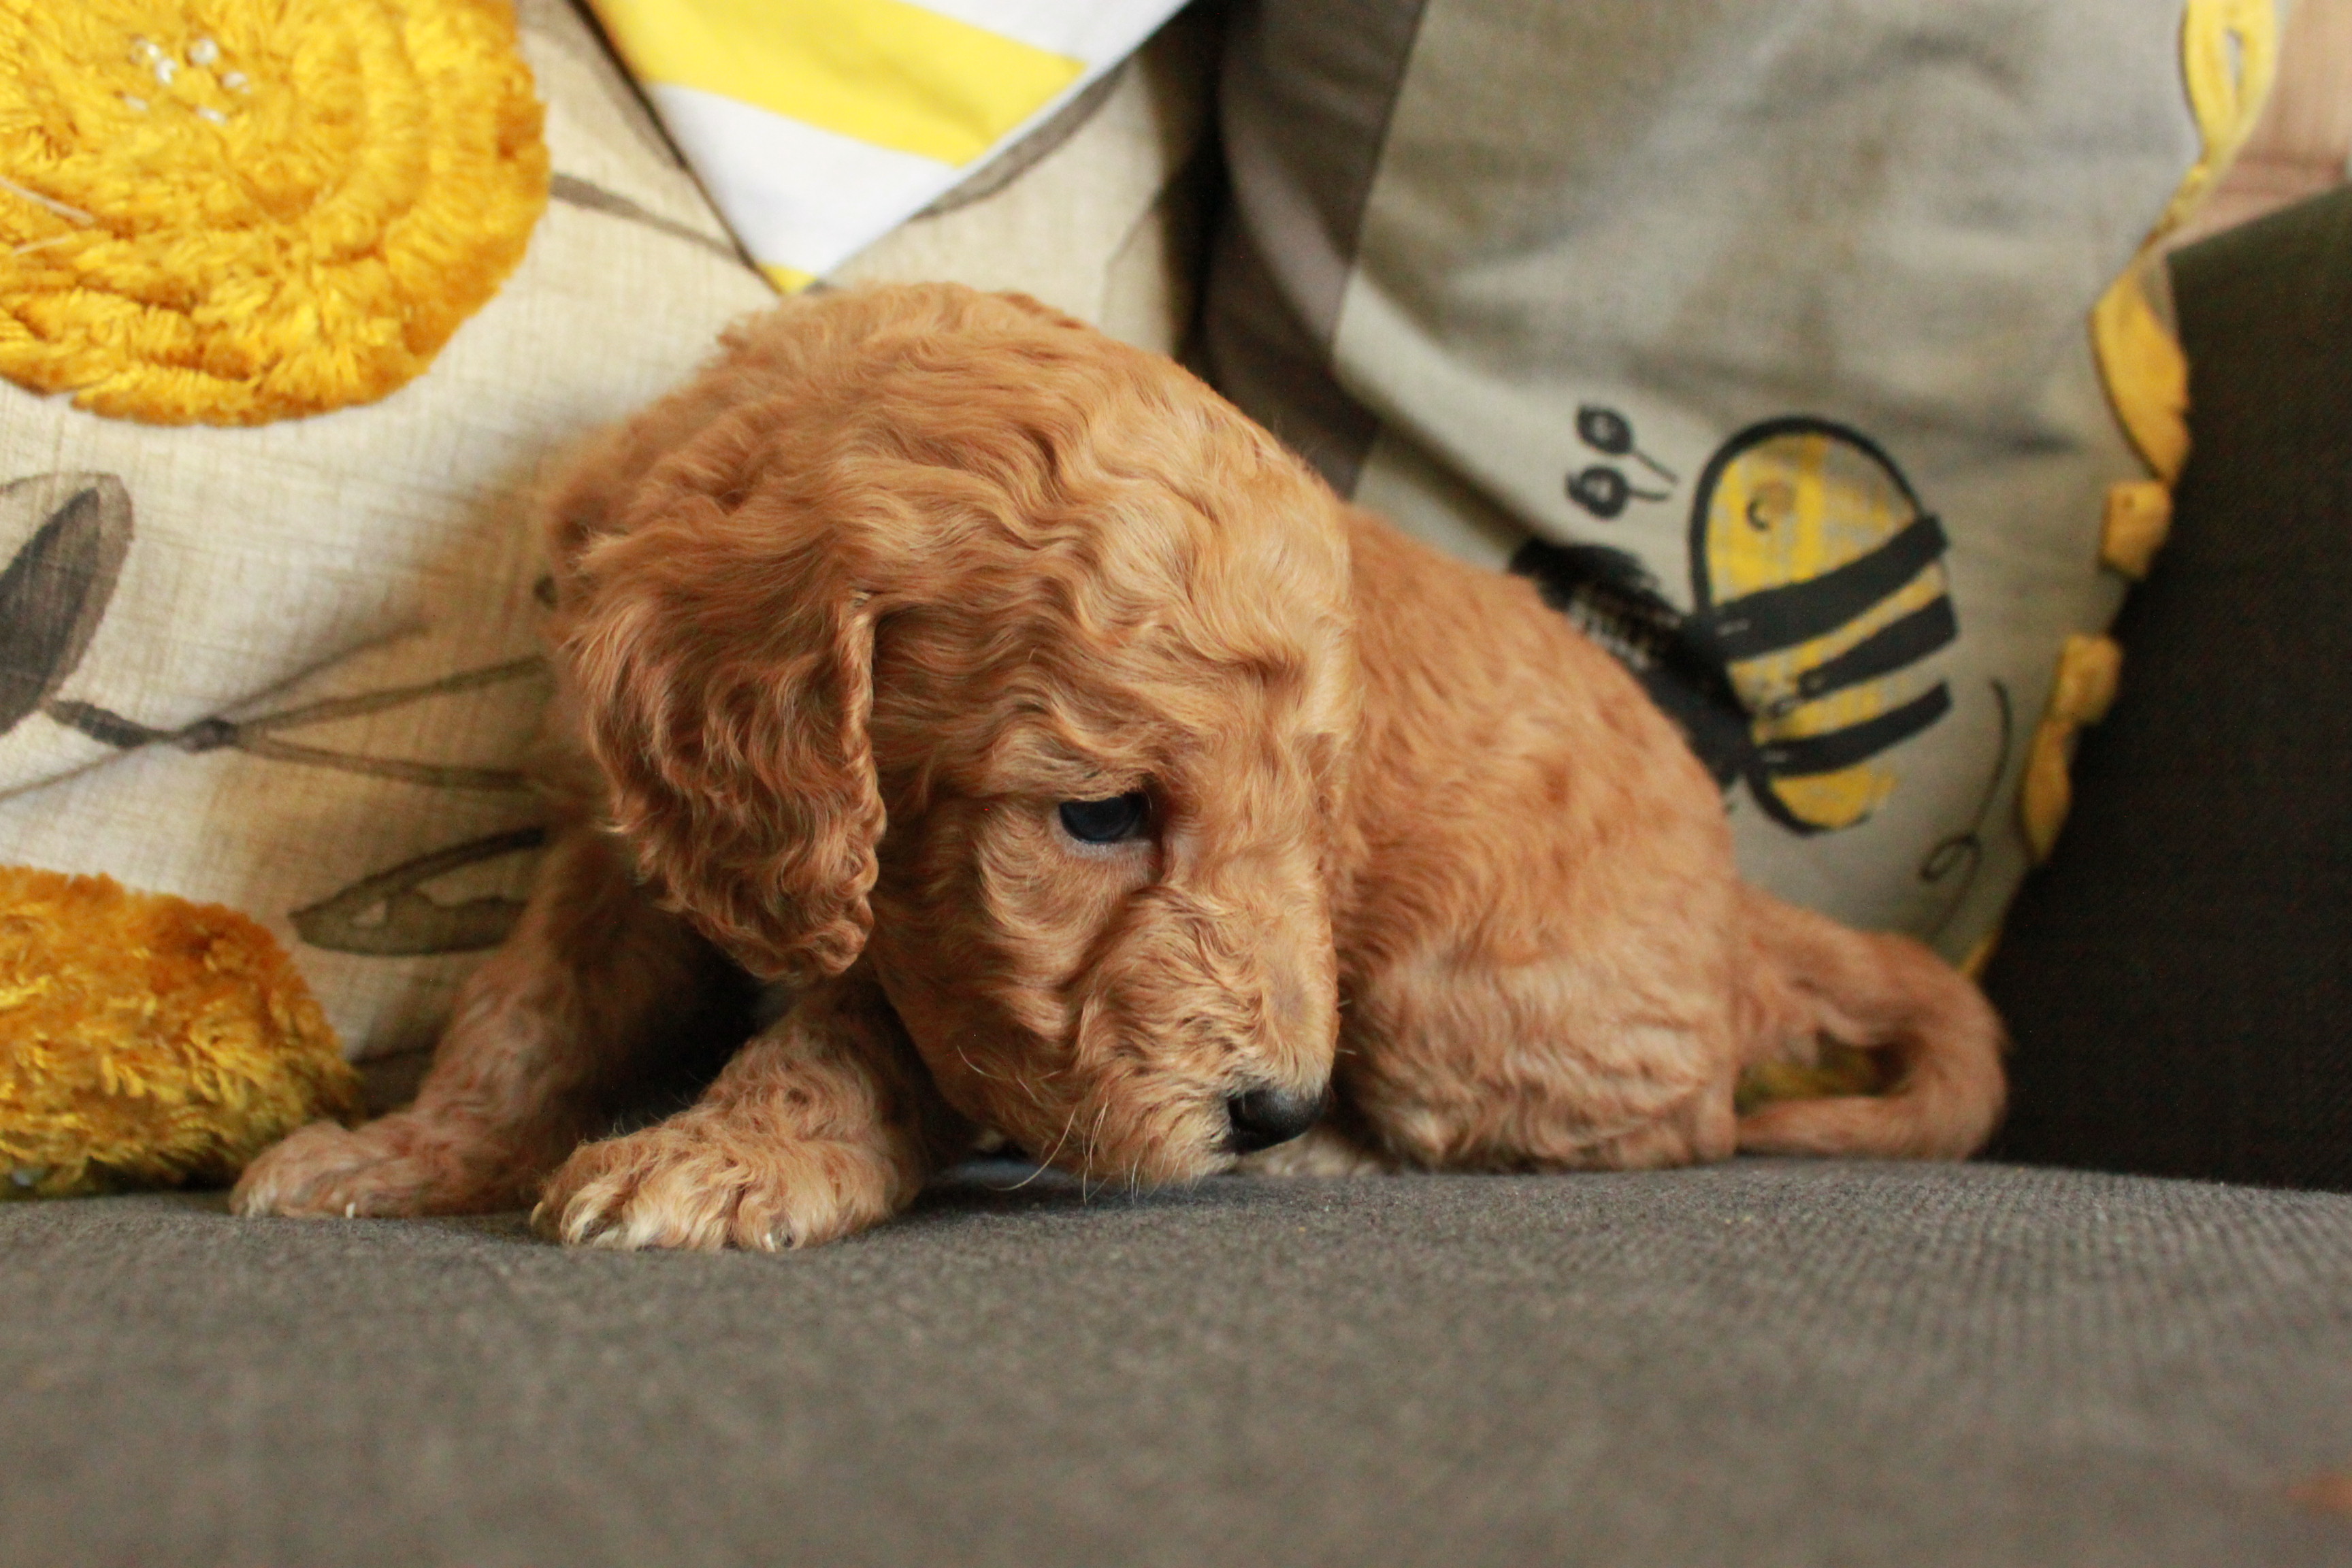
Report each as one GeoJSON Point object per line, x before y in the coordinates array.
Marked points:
{"type": "Point", "coordinates": [151, 1041]}
{"type": "Point", "coordinates": [234, 210]}
{"type": "Point", "coordinates": [2146, 374]}
{"type": "Point", "coordinates": [2228, 54]}
{"type": "Point", "coordinates": [2229, 58]}
{"type": "Point", "coordinates": [2138, 517]}
{"type": "Point", "coordinates": [2089, 670]}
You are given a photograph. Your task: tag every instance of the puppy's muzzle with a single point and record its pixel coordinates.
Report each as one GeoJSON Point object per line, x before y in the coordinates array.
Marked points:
{"type": "Point", "coordinates": [1266, 1115]}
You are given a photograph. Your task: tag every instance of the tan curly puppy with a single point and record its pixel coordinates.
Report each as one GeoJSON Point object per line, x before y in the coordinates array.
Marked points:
{"type": "Point", "coordinates": [1096, 777]}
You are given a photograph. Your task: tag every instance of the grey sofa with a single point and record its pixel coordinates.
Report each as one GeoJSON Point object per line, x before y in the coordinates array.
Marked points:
{"type": "Point", "coordinates": [1760, 1364]}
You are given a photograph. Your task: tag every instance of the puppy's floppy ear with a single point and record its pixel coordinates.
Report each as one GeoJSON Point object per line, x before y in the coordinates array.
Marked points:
{"type": "Point", "coordinates": [725, 680]}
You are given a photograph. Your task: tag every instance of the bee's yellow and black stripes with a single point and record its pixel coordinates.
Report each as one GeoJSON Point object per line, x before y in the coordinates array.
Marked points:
{"type": "Point", "coordinates": [1818, 579]}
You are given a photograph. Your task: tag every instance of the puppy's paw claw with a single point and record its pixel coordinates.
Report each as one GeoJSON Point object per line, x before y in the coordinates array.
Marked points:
{"type": "Point", "coordinates": [689, 1184]}
{"type": "Point", "coordinates": [306, 1172]}
{"type": "Point", "coordinates": [396, 1166]}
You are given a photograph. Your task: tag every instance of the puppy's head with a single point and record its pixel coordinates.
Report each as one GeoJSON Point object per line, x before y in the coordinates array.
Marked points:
{"type": "Point", "coordinates": [933, 630]}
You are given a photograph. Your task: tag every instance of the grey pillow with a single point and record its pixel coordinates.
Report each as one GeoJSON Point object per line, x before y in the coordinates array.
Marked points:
{"type": "Point", "coordinates": [1757, 334]}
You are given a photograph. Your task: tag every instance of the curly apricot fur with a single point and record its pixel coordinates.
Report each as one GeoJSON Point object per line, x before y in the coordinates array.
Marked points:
{"type": "Point", "coordinates": [844, 620]}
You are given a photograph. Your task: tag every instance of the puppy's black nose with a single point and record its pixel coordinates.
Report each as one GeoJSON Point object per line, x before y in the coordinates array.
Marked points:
{"type": "Point", "coordinates": [1262, 1118]}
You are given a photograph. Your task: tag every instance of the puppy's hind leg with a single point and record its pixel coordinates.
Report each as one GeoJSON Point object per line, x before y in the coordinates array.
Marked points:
{"type": "Point", "coordinates": [544, 1035]}
{"type": "Point", "coordinates": [1815, 980]}
{"type": "Point", "coordinates": [825, 1123]}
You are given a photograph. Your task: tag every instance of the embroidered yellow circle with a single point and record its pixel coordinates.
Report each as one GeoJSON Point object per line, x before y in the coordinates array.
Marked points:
{"type": "Point", "coordinates": [234, 210]}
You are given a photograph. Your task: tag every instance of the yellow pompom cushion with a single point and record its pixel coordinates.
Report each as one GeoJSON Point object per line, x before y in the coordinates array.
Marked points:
{"type": "Point", "coordinates": [147, 1041]}
{"type": "Point", "coordinates": [234, 210]}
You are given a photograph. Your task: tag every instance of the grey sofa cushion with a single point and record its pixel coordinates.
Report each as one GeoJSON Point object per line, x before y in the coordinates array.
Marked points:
{"type": "Point", "coordinates": [2178, 979]}
{"type": "Point", "coordinates": [1761, 1364]}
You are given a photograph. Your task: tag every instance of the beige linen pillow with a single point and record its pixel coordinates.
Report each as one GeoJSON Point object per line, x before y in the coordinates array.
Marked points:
{"type": "Point", "coordinates": [290, 668]}
{"type": "Point", "coordinates": [293, 668]}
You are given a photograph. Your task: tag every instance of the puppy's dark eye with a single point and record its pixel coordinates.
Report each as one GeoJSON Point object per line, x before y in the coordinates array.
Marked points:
{"type": "Point", "coordinates": [1105, 821]}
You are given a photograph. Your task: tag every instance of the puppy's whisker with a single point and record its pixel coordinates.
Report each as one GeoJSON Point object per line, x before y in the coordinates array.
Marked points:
{"type": "Point", "coordinates": [1048, 1160]}
{"type": "Point", "coordinates": [1034, 1172]}
{"type": "Point", "coordinates": [1093, 1138]}
{"type": "Point", "coordinates": [977, 1070]}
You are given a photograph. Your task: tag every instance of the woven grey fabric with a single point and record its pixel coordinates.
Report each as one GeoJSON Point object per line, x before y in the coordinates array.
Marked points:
{"type": "Point", "coordinates": [2177, 978]}
{"type": "Point", "coordinates": [1761, 1364]}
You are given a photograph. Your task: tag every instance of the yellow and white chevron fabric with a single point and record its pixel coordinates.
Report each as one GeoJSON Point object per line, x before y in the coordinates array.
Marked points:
{"type": "Point", "coordinates": [818, 126]}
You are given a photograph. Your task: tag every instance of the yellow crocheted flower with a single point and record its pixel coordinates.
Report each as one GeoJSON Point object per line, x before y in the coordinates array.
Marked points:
{"type": "Point", "coordinates": [234, 210]}
{"type": "Point", "coordinates": [147, 1041]}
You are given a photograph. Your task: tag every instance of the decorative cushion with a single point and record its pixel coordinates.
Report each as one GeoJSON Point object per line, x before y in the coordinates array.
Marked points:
{"type": "Point", "coordinates": [820, 126]}
{"type": "Point", "coordinates": [1763, 338]}
{"type": "Point", "coordinates": [291, 669]}
{"type": "Point", "coordinates": [152, 1041]}
{"type": "Point", "coordinates": [251, 211]}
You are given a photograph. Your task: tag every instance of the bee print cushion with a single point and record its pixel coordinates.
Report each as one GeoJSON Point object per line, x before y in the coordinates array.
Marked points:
{"type": "Point", "coordinates": [1806, 357]}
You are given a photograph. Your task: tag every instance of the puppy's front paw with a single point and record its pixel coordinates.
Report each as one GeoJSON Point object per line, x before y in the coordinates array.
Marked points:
{"type": "Point", "coordinates": [695, 1181]}
{"type": "Point", "coordinates": [398, 1165]}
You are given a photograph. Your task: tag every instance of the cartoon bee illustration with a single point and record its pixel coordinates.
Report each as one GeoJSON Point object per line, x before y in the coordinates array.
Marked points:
{"type": "Point", "coordinates": [1818, 590]}
{"type": "Point", "coordinates": [1818, 579]}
